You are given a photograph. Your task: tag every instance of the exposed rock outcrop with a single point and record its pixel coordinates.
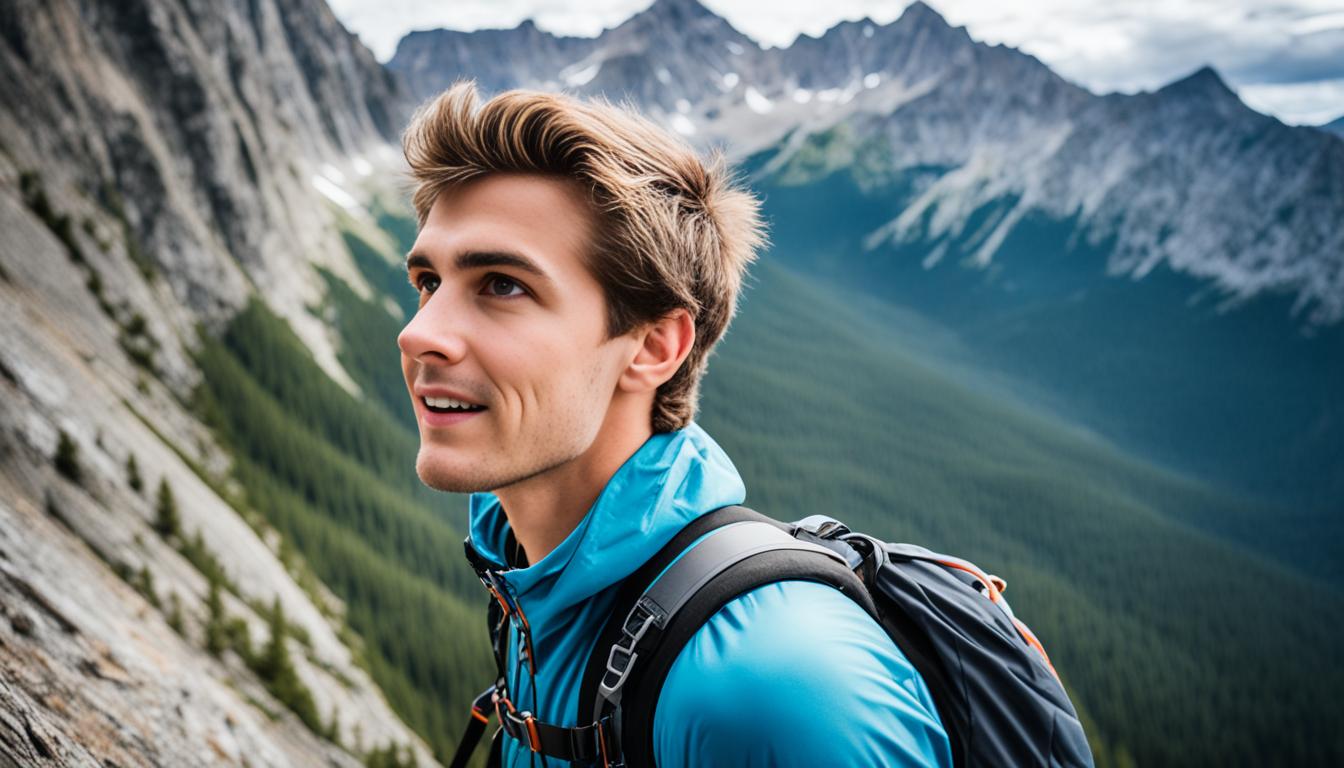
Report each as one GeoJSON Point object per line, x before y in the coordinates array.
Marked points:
{"type": "Point", "coordinates": [160, 162]}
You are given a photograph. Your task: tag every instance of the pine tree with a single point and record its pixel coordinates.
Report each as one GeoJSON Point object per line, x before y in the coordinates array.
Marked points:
{"type": "Point", "coordinates": [166, 521]}
{"type": "Point", "coordinates": [277, 669]}
{"type": "Point", "coordinates": [133, 474]}
{"type": "Point", "coordinates": [333, 729]}
{"type": "Point", "coordinates": [67, 457]}
{"type": "Point", "coordinates": [214, 618]}
{"type": "Point", "coordinates": [175, 613]}
{"type": "Point", "coordinates": [144, 583]}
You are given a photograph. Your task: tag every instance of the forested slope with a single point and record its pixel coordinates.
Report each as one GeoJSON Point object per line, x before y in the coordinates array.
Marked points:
{"type": "Point", "coordinates": [1167, 637]}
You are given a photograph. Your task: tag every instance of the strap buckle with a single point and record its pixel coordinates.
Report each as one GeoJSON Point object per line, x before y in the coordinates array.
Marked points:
{"type": "Point", "coordinates": [480, 708]}
{"type": "Point", "coordinates": [622, 657]}
{"type": "Point", "coordinates": [520, 725]}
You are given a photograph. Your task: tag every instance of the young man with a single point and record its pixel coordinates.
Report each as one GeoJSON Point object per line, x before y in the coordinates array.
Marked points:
{"type": "Point", "coordinates": [576, 264]}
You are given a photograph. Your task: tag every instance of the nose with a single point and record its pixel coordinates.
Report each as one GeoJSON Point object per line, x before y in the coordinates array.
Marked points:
{"type": "Point", "coordinates": [434, 335]}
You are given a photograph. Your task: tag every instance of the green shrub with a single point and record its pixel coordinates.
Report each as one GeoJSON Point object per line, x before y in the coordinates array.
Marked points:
{"type": "Point", "coordinates": [133, 474]}
{"type": "Point", "coordinates": [166, 519]}
{"type": "Point", "coordinates": [67, 458]}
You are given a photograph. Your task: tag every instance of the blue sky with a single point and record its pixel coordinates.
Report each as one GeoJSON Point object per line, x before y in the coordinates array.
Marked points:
{"type": "Point", "coordinates": [1283, 58]}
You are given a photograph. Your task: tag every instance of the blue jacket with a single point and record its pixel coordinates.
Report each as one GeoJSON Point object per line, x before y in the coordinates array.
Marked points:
{"type": "Point", "coordinates": [790, 674]}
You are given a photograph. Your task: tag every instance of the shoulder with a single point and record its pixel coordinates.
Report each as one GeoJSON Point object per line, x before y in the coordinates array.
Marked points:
{"type": "Point", "coordinates": [795, 673]}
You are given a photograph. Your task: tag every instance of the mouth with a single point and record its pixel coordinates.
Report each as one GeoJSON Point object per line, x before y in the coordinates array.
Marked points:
{"type": "Point", "coordinates": [450, 405]}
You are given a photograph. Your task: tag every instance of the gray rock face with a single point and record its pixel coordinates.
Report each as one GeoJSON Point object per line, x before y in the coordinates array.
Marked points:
{"type": "Point", "coordinates": [160, 162]}
{"type": "Point", "coordinates": [1187, 176]}
{"type": "Point", "coordinates": [497, 59]}
{"type": "Point", "coordinates": [190, 136]}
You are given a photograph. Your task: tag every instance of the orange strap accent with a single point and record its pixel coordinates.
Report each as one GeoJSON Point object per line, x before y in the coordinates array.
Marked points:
{"type": "Point", "coordinates": [1034, 643]}
{"type": "Point", "coordinates": [500, 598]}
{"type": "Point", "coordinates": [483, 718]}
{"type": "Point", "coordinates": [962, 565]}
{"type": "Point", "coordinates": [602, 744]}
{"type": "Point", "coordinates": [527, 640]}
{"type": "Point", "coordinates": [991, 584]}
{"type": "Point", "coordinates": [532, 733]}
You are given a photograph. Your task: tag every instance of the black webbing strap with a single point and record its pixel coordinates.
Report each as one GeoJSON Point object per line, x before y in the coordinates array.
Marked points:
{"type": "Point", "coordinates": [480, 715]}
{"type": "Point", "coordinates": [636, 583]}
{"type": "Point", "coordinates": [730, 564]}
{"type": "Point", "coordinates": [585, 743]}
{"type": "Point", "coordinates": [681, 581]}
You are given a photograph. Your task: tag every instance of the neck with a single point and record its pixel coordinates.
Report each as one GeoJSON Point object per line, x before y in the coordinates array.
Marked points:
{"type": "Point", "coordinates": [545, 508]}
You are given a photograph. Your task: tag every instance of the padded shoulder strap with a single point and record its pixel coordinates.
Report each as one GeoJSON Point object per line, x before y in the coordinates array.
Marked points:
{"type": "Point", "coordinates": [636, 583]}
{"type": "Point", "coordinates": [627, 673]}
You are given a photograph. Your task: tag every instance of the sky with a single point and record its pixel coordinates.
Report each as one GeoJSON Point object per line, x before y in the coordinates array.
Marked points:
{"type": "Point", "coordinates": [1283, 58]}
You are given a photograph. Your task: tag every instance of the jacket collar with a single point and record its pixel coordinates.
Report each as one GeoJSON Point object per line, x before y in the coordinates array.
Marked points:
{"type": "Point", "coordinates": [673, 478]}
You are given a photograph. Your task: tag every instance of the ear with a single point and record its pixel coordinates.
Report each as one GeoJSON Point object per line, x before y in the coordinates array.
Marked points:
{"type": "Point", "coordinates": [664, 345]}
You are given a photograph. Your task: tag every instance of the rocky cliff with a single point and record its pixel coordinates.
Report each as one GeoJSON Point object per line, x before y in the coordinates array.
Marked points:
{"type": "Point", "coordinates": [160, 163]}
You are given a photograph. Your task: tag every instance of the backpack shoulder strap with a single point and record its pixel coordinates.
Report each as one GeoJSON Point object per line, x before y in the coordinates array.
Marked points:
{"type": "Point", "coordinates": [666, 602]}
{"type": "Point", "coordinates": [636, 583]}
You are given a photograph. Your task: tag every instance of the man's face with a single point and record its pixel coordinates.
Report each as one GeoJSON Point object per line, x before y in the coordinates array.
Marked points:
{"type": "Point", "coordinates": [490, 331]}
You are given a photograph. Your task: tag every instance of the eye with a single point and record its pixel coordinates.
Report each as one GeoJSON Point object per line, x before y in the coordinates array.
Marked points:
{"type": "Point", "coordinates": [426, 283]}
{"type": "Point", "coordinates": [502, 287]}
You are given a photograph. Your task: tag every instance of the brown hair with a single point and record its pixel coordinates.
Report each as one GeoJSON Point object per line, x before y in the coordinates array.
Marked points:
{"type": "Point", "coordinates": [672, 231]}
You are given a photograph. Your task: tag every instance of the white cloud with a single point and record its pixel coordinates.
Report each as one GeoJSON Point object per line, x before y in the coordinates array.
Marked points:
{"type": "Point", "coordinates": [1314, 103]}
{"type": "Point", "coordinates": [1145, 45]}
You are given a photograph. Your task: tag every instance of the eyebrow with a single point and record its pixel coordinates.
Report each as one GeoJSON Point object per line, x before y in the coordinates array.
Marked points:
{"type": "Point", "coordinates": [479, 259]}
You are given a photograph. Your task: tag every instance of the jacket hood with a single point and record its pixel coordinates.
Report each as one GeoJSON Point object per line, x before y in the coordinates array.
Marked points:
{"type": "Point", "coordinates": [673, 478]}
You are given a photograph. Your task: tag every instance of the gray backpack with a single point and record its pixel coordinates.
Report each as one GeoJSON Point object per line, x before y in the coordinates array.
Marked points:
{"type": "Point", "coordinates": [997, 694]}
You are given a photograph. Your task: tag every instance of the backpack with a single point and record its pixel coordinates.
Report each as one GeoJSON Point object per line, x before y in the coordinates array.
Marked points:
{"type": "Point", "coordinates": [997, 694]}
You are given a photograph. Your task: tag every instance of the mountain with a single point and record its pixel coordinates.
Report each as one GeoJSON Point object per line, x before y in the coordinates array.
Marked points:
{"type": "Point", "coordinates": [430, 60]}
{"type": "Point", "coordinates": [1085, 244]}
{"type": "Point", "coordinates": [1335, 126]}
{"type": "Point", "coordinates": [157, 172]}
{"type": "Point", "coordinates": [905, 91]}
{"type": "Point", "coordinates": [213, 545]}
{"type": "Point", "coordinates": [1150, 259]}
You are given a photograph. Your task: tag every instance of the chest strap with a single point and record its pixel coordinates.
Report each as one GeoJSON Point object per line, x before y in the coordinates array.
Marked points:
{"type": "Point", "coordinates": [584, 744]}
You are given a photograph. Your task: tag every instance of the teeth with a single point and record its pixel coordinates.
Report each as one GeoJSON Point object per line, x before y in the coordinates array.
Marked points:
{"type": "Point", "coordinates": [446, 402]}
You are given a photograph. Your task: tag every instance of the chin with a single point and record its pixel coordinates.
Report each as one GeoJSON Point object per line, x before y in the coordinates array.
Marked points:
{"type": "Point", "coordinates": [446, 476]}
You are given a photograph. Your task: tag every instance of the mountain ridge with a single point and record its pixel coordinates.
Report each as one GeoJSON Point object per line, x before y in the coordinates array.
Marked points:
{"type": "Point", "coordinates": [750, 100]}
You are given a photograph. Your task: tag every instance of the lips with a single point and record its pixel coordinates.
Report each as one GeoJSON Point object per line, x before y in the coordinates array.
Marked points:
{"type": "Point", "coordinates": [448, 404]}
{"type": "Point", "coordinates": [444, 393]}
{"type": "Point", "coordinates": [440, 406]}
{"type": "Point", "coordinates": [439, 419]}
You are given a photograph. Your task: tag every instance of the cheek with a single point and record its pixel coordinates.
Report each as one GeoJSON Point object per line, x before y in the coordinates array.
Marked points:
{"type": "Point", "coordinates": [553, 365]}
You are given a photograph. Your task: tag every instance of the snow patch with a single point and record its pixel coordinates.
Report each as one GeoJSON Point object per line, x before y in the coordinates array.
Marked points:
{"type": "Point", "coordinates": [934, 256]}
{"type": "Point", "coordinates": [871, 80]}
{"type": "Point", "coordinates": [734, 48]}
{"type": "Point", "coordinates": [683, 125]}
{"type": "Point", "coordinates": [683, 106]}
{"type": "Point", "coordinates": [757, 102]}
{"type": "Point", "coordinates": [333, 173]}
{"type": "Point", "coordinates": [729, 81]}
{"type": "Point", "coordinates": [850, 91]}
{"type": "Point", "coordinates": [664, 76]}
{"type": "Point", "coordinates": [361, 166]}
{"type": "Point", "coordinates": [333, 191]}
{"type": "Point", "coordinates": [577, 77]}
{"type": "Point", "coordinates": [802, 95]}
{"type": "Point", "coordinates": [867, 30]}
